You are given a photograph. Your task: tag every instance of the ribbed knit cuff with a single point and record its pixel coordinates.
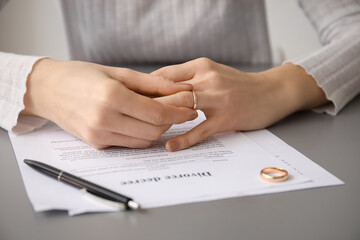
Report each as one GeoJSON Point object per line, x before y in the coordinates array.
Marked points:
{"type": "Point", "coordinates": [336, 69]}
{"type": "Point", "coordinates": [14, 71]}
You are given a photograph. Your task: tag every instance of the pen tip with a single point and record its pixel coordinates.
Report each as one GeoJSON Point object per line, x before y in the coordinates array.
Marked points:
{"type": "Point", "coordinates": [133, 205]}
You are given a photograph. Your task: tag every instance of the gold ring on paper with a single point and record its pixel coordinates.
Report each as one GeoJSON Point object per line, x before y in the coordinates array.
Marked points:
{"type": "Point", "coordinates": [195, 100]}
{"type": "Point", "coordinates": [273, 174]}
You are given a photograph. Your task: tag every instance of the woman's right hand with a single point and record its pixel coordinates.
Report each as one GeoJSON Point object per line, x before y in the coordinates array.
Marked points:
{"type": "Point", "coordinates": [102, 105]}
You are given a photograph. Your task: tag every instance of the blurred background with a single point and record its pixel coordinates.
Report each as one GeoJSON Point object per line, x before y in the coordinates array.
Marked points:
{"type": "Point", "coordinates": [35, 27]}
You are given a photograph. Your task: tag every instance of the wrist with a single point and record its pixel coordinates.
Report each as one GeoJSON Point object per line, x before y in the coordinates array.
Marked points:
{"type": "Point", "coordinates": [37, 86]}
{"type": "Point", "coordinates": [298, 89]}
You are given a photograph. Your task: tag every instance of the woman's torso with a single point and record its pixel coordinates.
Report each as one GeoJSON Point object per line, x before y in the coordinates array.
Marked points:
{"type": "Point", "coordinates": [167, 31]}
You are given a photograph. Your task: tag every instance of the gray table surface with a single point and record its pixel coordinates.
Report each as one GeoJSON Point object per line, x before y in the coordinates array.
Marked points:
{"type": "Point", "coordinates": [321, 213]}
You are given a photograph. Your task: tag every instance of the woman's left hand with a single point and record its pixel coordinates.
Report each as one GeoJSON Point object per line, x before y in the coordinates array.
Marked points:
{"type": "Point", "coordinates": [235, 100]}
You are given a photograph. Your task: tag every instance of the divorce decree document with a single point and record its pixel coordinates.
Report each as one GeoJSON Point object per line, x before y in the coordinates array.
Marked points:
{"type": "Point", "coordinates": [224, 165]}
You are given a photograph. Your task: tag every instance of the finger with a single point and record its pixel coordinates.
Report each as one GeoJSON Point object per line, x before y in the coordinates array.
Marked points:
{"type": "Point", "coordinates": [121, 124]}
{"type": "Point", "coordinates": [180, 99]}
{"type": "Point", "coordinates": [114, 139]}
{"type": "Point", "coordinates": [204, 100]}
{"type": "Point", "coordinates": [178, 72]}
{"type": "Point", "coordinates": [194, 136]}
{"type": "Point", "coordinates": [154, 112]}
{"type": "Point", "coordinates": [145, 83]}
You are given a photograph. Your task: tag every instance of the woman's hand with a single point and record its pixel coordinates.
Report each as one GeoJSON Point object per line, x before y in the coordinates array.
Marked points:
{"type": "Point", "coordinates": [101, 104]}
{"type": "Point", "coordinates": [235, 100]}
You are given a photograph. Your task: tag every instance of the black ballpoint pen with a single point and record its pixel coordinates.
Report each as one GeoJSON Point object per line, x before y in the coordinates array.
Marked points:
{"type": "Point", "coordinates": [82, 183]}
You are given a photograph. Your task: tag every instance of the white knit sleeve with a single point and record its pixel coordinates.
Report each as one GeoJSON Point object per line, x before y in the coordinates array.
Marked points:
{"type": "Point", "coordinates": [336, 66]}
{"type": "Point", "coordinates": [14, 71]}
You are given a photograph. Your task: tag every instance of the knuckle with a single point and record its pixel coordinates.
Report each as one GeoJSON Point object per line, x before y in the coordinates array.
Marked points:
{"type": "Point", "coordinates": [140, 144]}
{"type": "Point", "coordinates": [205, 62]}
{"type": "Point", "coordinates": [155, 135]}
{"type": "Point", "coordinates": [98, 146]}
{"type": "Point", "coordinates": [159, 117]}
{"type": "Point", "coordinates": [145, 144]}
{"type": "Point", "coordinates": [91, 137]}
{"type": "Point", "coordinates": [214, 79]}
{"type": "Point", "coordinates": [214, 75]}
{"type": "Point", "coordinates": [97, 120]}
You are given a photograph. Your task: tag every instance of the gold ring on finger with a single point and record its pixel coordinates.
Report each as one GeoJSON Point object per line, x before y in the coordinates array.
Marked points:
{"type": "Point", "coordinates": [195, 100]}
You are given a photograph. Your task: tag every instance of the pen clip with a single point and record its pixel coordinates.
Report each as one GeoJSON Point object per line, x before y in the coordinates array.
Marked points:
{"type": "Point", "coordinates": [117, 205]}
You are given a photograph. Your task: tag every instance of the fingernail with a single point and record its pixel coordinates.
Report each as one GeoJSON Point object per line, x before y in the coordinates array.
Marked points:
{"type": "Point", "coordinates": [174, 146]}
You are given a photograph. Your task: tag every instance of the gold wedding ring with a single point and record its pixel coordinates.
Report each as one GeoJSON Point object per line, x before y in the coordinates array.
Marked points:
{"type": "Point", "coordinates": [195, 100]}
{"type": "Point", "coordinates": [273, 174]}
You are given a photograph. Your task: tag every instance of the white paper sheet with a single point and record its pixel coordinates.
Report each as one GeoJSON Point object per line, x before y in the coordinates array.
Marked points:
{"type": "Point", "coordinates": [223, 166]}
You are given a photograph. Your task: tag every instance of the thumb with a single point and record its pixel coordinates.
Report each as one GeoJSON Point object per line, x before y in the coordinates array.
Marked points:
{"type": "Point", "coordinates": [194, 136]}
{"type": "Point", "coordinates": [144, 83]}
{"type": "Point", "coordinates": [178, 72]}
